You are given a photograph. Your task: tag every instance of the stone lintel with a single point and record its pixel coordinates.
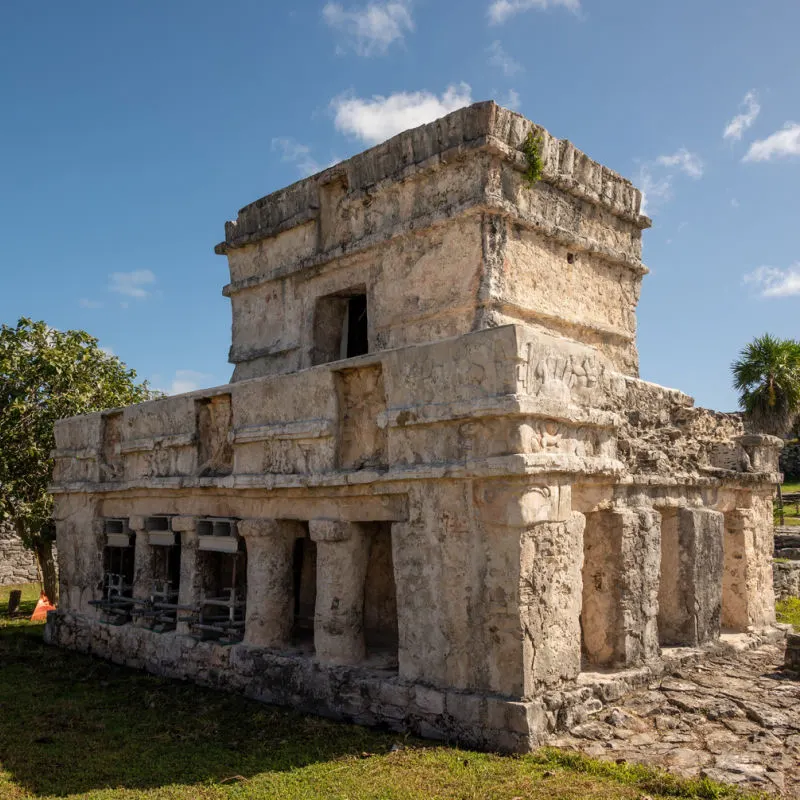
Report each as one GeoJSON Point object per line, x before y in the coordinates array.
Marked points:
{"type": "Point", "coordinates": [255, 528]}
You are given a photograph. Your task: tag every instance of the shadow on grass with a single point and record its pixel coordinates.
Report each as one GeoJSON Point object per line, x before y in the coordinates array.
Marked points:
{"type": "Point", "coordinates": [70, 724]}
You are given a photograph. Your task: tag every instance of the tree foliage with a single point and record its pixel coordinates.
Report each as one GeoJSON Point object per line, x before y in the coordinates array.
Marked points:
{"type": "Point", "coordinates": [46, 375]}
{"type": "Point", "coordinates": [767, 377]}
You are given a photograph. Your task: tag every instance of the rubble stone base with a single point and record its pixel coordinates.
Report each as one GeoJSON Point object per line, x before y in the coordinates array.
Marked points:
{"type": "Point", "coordinates": [364, 695]}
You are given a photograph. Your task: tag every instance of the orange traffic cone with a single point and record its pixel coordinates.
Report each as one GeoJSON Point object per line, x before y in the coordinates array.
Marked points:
{"type": "Point", "coordinates": [42, 607]}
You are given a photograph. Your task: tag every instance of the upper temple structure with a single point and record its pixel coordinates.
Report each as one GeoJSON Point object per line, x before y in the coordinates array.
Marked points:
{"type": "Point", "coordinates": [436, 493]}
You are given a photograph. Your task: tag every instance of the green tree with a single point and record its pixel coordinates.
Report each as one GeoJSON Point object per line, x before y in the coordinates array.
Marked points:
{"type": "Point", "coordinates": [767, 377]}
{"type": "Point", "coordinates": [46, 375]}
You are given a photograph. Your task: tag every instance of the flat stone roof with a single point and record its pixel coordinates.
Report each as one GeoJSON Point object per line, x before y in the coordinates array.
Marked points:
{"type": "Point", "coordinates": [480, 127]}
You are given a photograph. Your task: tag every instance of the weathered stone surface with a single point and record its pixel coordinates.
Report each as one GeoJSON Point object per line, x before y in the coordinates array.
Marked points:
{"type": "Point", "coordinates": [435, 494]}
{"type": "Point", "coordinates": [17, 564]}
{"type": "Point", "coordinates": [732, 719]}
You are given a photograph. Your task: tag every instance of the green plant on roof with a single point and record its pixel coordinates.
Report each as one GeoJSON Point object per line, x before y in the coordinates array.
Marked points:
{"type": "Point", "coordinates": [532, 150]}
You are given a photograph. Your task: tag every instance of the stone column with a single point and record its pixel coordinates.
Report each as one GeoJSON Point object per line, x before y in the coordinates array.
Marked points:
{"type": "Point", "coordinates": [190, 580]}
{"type": "Point", "coordinates": [342, 555]}
{"type": "Point", "coordinates": [551, 560]}
{"type": "Point", "coordinates": [270, 581]}
{"type": "Point", "coordinates": [142, 560]}
{"type": "Point", "coordinates": [622, 554]}
{"type": "Point", "coordinates": [747, 583]}
{"type": "Point", "coordinates": [690, 592]}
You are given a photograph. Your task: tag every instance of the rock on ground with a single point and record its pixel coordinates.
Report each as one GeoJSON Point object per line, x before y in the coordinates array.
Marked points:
{"type": "Point", "coordinates": [735, 718]}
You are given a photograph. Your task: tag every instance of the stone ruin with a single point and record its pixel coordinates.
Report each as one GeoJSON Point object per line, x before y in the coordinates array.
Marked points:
{"type": "Point", "coordinates": [435, 495]}
{"type": "Point", "coordinates": [17, 563]}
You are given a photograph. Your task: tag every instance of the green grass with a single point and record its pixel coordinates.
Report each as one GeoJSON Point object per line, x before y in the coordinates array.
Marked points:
{"type": "Point", "coordinates": [788, 611]}
{"type": "Point", "coordinates": [72, 726]}
{"type": "Point", "coordinates": [791, 511]}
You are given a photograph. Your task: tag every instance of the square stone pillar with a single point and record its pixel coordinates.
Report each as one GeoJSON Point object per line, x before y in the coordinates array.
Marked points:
{"type": "Point", "coordinates": [270, 580]}
{"type": "Point", "coordinates": [342, 556]}
{"type": "Point", "coordinates": [142, 560]}
{"type": "Point", "coordinates": [189, 586]}
{"type": "Point", "coordinates": [551, 560]}
{"type": "Point", "coordinates": [622, 554]}
{"type": "Point", "coordinates": [747, 583]}
{"type": "Point", "coordinates": [690, 591]}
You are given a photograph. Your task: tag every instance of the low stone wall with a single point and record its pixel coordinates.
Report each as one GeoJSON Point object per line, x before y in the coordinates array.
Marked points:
{"type": "Point", "coordinates": [368, 696]}
{"type": "Point", "coordinates": [17, 564]}
{"type": "Point", "coordinates": [793, 652]}
{"type": "Point", "coordinates": [790, 461]}
{"type": "Point", "coordinates": [786, 575]}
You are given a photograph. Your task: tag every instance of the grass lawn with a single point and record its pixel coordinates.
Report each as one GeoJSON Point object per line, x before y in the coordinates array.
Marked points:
{"type": "Point", "coordinates": [791, 512]}
{"type": "Point", "coordinates": [72, 726]}
{"type": "Point", "coordinates": [788, 611]}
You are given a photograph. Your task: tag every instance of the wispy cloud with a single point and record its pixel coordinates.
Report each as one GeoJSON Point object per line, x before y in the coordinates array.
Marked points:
{"type": "Point", "coordinates": [132, 284]}
{"type": "Point", "coordinates": [741, 122]}
{"type": "Point", "coordinates": [501, 10]}
{"type": "Point", "coordinates": [85, 302]}
{"type": "Point", "coordinates": [375, 119]}
{"type": "Point", "coordinates": [655, 189]}
{"type": "Point", "coordinates": [656, 178]}
{"type": "Point", "coordinates": [511, 100]}
{"type": "Point", "coordinates": [774, 282]}
{"type": "Point", "coordinates": [292, 152]}
{"type": "Point", "coordinates": [781, 144]}
{"type": "Point", "coordinates": [685, 161]}
{"type": "Point", "coordinates": [370, 30]}
{"type": "Point", "coordinates": [503, 61]}
{"type": "Point", "coordinates": [187, 380]}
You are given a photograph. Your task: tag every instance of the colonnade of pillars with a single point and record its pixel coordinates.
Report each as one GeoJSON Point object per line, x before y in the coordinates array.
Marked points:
{"type": "Point", "coordinates": [343, 550]}
{"type": "Point", "coordinates": [673, 577]}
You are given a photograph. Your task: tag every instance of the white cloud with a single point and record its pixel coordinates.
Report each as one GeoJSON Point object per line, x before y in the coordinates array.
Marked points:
{"type": "Point", "coordinates": [292, 152]}
{"type": "Point", "coordinates": [501, 10]}
{"type": "Point", "coordinates": [108, 351]}
{"type": "Point", "coordinates": [685, 161]}
{"type": "Point", "coordinates": [734, 202]}
{"type": "Point", "coordinates": [379, 118]}
{"type": "Point", "coordinates": [511, 100]}
{"type": "Point", "coordinates": [655, 190]}
{"type": "Point", "coordinates": [774, 282]}
{"type": "Point", "coordinates": [785, 142]}
{"type": "Point", "coordinates": [187, 380]}
{"type": "Point", "coordinates": [131, 284]}
{"type": "Point", "coordinates": [85, 302]}
{"type": "Point", "coordinates": [370, 30]}
{"type": "Point", "coordinates": [741, 122]}
{"type": "Point", "coordinates": [502, 60]}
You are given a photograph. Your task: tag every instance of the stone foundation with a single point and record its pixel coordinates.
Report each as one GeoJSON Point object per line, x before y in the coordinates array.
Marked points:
{"type": "Point", "coordinates": [364, 695]}
{"type": "Point", "coordinates": [787, 579]}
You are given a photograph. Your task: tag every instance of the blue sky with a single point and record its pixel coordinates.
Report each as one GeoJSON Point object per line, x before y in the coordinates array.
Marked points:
{"type": "Point", "coordinates": [130, 131]}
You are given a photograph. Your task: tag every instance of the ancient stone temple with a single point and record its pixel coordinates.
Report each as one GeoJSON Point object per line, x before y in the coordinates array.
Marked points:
{"type": "Point", "coordinates": [435, 493]}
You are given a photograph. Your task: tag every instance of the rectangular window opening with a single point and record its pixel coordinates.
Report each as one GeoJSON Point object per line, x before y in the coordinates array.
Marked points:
{"type": "Point", "coordinates": [223, 587]}
{"type": "Point", "coordinates": [341, 326]}
{"type": "Point", "coordinates": [116, 602]}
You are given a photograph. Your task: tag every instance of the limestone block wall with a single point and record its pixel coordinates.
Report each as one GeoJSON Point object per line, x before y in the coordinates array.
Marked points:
{"type": "Point", "coordinates": [17, 564]}
{"type": "Point", "coordinates": [438, 230]}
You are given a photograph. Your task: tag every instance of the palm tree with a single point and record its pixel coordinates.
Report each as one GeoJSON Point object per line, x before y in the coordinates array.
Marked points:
{"type": "Point", "coordinates": [767, 377]}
